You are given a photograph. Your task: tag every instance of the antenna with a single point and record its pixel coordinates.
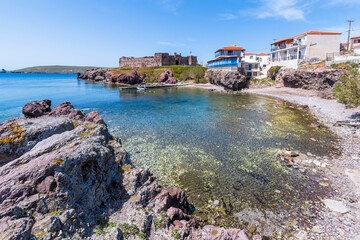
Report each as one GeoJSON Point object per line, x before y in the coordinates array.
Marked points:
{"type": "Point", "coordinates": [348, 43]}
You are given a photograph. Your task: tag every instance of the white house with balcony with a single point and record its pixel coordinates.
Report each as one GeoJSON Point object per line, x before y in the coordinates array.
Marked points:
{"type": "Point", "coordinates": [255, 65]}
{"type": "Point", "coordinates": [288, 52]}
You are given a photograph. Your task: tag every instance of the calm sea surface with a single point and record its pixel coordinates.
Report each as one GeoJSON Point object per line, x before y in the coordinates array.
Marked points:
{"type": "Point", "coordinates": [215, 146]}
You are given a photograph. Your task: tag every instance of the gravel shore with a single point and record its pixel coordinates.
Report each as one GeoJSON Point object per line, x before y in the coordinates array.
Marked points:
{"type": "Point", "coordinates": [340, 215]}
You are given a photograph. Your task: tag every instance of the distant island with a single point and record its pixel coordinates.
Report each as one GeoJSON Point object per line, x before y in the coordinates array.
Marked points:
{"type": "Point", "coordinates": [2, 71]}
{"type": "Point", "coordinates": [54, 69]}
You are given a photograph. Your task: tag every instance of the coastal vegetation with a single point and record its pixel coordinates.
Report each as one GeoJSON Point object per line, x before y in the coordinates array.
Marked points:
{"type": "Point", "coordinates": [54, 69]}
{"type": "Point", "coordinates": [261, 82]}
{"type": "Point", "coordinates": [347, 91]}
{"type": "Point", "coordinates": [273, 71]}
{"type": "Point", "coordinates": [182, 73]}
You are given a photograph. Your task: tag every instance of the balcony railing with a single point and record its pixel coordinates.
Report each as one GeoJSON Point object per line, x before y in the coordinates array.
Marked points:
{"type": "Point", "coordinates": [224, 65]}
{"type": "Point", "coordinates": [283, 58]}
{"type": "Point", "coordinates": [275, 48]}
{"type": "Point", "coordinates": [227, 54]}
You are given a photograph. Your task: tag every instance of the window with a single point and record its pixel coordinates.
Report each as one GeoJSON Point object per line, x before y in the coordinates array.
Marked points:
{"type": "Point", "coordinates": [251, 57]}
{"type": "Point", "coordinates": [255, 74]}
{"type": "Point", "coordinates": [248, 74]}
{"type": "Point", "coordinates": [264, 65]}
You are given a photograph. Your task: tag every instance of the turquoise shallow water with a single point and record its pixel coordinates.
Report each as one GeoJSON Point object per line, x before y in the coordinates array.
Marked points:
{"type": "Point", "coordinates": [215, 146]}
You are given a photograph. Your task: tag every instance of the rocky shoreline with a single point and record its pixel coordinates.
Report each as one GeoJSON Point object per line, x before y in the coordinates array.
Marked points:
{"type": "Point", "coordinates": [64, 176]}
{"type": "Point", "coordinates": [133, 78]}
{"type": "Point", "coordinates": [339, 219]}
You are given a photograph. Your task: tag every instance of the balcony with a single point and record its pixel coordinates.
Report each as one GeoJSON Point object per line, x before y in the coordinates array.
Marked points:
{"type": "Point", "coordinates": [218, 54]}
{"type": "Point", "coordinates": [276, 48]}
{"type": "Point", "coordinates": [223, 65]}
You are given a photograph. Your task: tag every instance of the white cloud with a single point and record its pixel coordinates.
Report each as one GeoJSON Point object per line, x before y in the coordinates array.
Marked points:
{"type": "Point", "coordinates": [228, 16]}
{"type": "Point", "coordinates": [286, 9]}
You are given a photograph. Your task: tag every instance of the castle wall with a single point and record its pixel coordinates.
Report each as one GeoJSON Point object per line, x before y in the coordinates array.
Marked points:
{"type": "Point", "coordinates": [159, 59]}
{"type": "Point", "coordinates": [139, 62]}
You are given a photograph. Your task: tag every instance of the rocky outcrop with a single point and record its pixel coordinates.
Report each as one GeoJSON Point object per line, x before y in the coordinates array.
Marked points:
{"type": "Point", "coordinates": [64, 176]}
{"type": "Point", "coordinates": [320, 79]}
{"type": "Point", "coordinates": [168, 77]}
{"type": "Point", "coordinates": [107, 76]}
{"type": "Point", "coordinates": [133, 78]}
{"type": "Point", "coordinates": [231, 80]}
{"type": "Point", "coordinates": [36, 108]}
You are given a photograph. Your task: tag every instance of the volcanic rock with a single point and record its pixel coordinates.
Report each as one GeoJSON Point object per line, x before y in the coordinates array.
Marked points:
{"type": "Point", "coordinates": [69, 178]}
{"type": "Point", "coordinates": [231, 80]}
{"type": "Point", "coordinates": [36, 108]}
{"type": "Point", "coordinates": [320, 79]}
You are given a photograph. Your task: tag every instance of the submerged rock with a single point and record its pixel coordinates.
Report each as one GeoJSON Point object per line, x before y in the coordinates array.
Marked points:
{"type": "Point", "coordinates": [68, 177]}
{"type": "Point", "coordinates": [336, 206]}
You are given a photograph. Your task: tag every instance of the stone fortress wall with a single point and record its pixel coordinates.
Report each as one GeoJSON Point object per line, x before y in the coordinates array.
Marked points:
{"type": "Point", "coordinates": [159, 59]}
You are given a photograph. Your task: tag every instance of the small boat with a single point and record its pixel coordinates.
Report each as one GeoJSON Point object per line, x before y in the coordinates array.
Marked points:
{"type": "Point", "coordinates": [141, 89]}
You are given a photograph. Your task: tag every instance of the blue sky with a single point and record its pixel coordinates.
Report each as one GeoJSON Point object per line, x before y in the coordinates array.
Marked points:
{"type": "Point", "coordinates": [97, 33]}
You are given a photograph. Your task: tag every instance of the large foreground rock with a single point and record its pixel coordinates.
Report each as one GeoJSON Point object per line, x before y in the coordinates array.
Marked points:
{"type": "Point", "coordinates": [320, 79]}
{"type": "Point", "coordinates": [231, 80]}
{"type": "Point", "coordinates": [64, 176]}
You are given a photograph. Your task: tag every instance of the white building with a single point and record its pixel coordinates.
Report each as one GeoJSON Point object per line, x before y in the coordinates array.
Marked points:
{"type": "Point", "coordinates": [255, 65]}
{"type": "Point", "coordinates": [288, 52]}
{"type": "Point", "coordinates": [356, 49]}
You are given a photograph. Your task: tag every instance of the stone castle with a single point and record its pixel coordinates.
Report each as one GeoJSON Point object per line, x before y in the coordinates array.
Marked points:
{"type": "Point", "coordinates": [159, 59]}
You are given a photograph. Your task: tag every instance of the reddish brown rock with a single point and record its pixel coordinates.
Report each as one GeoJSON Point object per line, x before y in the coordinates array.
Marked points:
{"type": "Point", "coordinates": [62, 109]}
{"type": "Point", "coordinates": [94, 117]}
{"type": "Point", "coordinates": [77, 114]}
{"type": "Point", "coordinates": [171, 197]}
{"type": "Point", "coordinates": [48, 185]}
{"type": "Point", "coordinates": [229, 80]}
{"type": "Point", "coordinates": [176, 214]}
{"type": "Point", "coordinates": [36, 108]}
{"type": "Point", "coordinates": [320, 79]}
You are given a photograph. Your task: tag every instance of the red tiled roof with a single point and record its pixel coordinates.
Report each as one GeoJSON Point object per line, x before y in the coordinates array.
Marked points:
{"type": "Point", "coordinates": [231, 48]}
{"type": "Point", "coordinates": [343, 44]}
{"type": "Point", "coordinates": [308, 32]}
{"type": "Point", "coordinates": [262, 54]}
{"type": "Point", "coordinates": [249, 53]}
{"type": "Point", "coordinates": [282, 40]}
{"type": "Point", "coordinates": [317, 32]}
{"type": "Point", "coordinates": [223, 57]}
{"type": "Point", "coordinates": [357, 46]}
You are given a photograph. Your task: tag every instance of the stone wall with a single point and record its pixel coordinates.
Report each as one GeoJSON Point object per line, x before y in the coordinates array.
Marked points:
{"type": "Point", "coordinates": [139, 62]}
{"type": "Point", "coordinates": [159, 59]}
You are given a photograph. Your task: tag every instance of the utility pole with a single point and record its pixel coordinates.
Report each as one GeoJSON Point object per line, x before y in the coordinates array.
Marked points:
{"type": "Point", "coordinates": [348, 43]}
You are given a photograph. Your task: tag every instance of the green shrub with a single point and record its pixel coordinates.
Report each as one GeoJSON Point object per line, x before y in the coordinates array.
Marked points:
{"type": "Point", "coordinates": [196, 73]}
{"type": "Point", "coordinates": [273, 71]}
{"type": "Point", "coordinates": [347, 91]}
{"type": "Point", "coordinates": [130, 230]}
{"type": "Point", "coordinates": [345, 65]}
{"type": "Point", "coordinates": [175, 234]}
